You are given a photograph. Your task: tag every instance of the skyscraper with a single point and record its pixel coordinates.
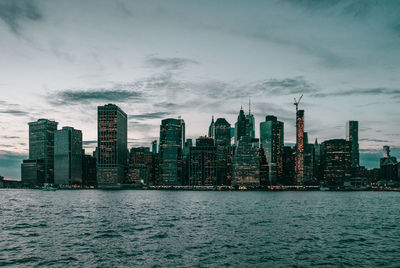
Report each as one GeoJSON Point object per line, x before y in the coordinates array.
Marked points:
{"type": "Point", "coordinates": [172, 136]}
{"type": "Point", "coordinates": [202, 170]}
{"type": "Point", "coordinates": [240, 126]}
{"type": "Point", "coordinates": [211, 128]}
{"type": "Point", "coordinates": [112, 145]}
{"type": "Point", "coordinates": [222, 143]}
{"type": "Point", "coordinates": [271, 138]}
{"type": "Point", "coordinates": [68, 157]}
{"type": "Point", "coordinates": [247, 164]}
{"type": "Point", "coordinates": [336, 161]}
{"type": "Point", "coordinates": [41, 145]}
{"type": "Point", "coordinates": [299, 158]}
{"type": "Point", "coordinates": [352, 136]}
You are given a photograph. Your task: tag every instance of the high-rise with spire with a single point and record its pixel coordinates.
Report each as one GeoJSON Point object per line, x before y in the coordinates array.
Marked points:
{"type": "Point", "coordinates": [240, 126]}
{"type": "Point", "coordinates": [211, 128]}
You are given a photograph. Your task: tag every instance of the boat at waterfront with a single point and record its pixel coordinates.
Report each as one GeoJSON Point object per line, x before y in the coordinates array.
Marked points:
{"type": "Point", "coordinates": [49, 187]}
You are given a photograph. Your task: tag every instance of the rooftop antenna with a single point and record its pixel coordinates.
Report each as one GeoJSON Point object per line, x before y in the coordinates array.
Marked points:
{"type": "Point", "coordinates": [249, 105]}
{"type": "Point", "coordinates": [296, 102]}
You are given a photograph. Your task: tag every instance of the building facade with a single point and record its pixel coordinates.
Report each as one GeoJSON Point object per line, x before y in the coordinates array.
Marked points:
{"type": "Point", "coordinates": [68, 157]}
{"type": "Point", "coordinates": [272, 140]}
{"type": "Point", "coordinates": [246, 163]}
{"type": "Point", "coordinates": [172, 137]}
{"type": "Point", "coordinates": [336, 161]}
{"type": "Point", "coordinates": [41, 145]}
{"type": "Point", "coordinates": [299, 157]}
{"type": "Point", "coordinates": [32, 172]}
{"type": "Point", "coordinates": [222, 143]}
{"type": "Point", "coordinates": [352, 136]}
{"type": "Point", "coordinates": [112, 152]}
{"type": "Point", "coordinates": [203, 168]}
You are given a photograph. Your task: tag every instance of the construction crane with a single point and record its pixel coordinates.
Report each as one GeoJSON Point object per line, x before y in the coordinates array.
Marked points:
{"type": "Point", "coordinates": [296, 102]}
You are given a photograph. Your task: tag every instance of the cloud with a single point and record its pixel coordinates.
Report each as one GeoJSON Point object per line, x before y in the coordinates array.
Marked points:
{"type": "Point", "coordinates": [374, 140]}
{"type": "Point", "coordinates": [286, 86]}
{"type": "Point", "coordinates": [12, 12]}
{"type": "Point", "coordinates": [173, 63]}
{"type": "Point", "coordinates": [155, 115]}
{"type": "Point", "coordinates": [118, 93]}
{"type": "Point", "coordinates": [366, 91]}
{"type": "Point", "coordinates": [14, 112]}
{"type": "Point", "coordinates": [9, 137]}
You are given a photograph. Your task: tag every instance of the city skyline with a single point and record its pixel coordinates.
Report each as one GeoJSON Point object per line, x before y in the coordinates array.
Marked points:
{"type": "Point", "coordinates": [59, 66]}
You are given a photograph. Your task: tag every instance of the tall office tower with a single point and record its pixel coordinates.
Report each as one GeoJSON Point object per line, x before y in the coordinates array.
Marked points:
{"type": "Point", "coordinates": [299, 165]}
{"type": "Point", "coordinates": [172, 136]}
{"type": "Point", "coordinates": [388, 165]}
{"type": "Point", "coordinates": [336, 161]}
{"type": "Point", "coordinates": [112, 145]}
{"type": "Point", "coordinates": [240, 126]}
{"type": "Point", "coordinates": [140, 167]}
{"type": "Point", "coordinates": [317, 160]}
{"type": "Point", "coordinates": [288, 165]}
{"type": "Point", "coordinates": [203, 171]}
{"type": "Point", "coordinates": [89, 173]}
{"type": "Point", "coordinates": [246, 163]}
{"type": "Point", "coordinates": [250, 123]}
{"type": "Point", "coordinates": [271, 137]}
{"type": "Point", "coordinates": [186, 161]}
{"type": "Point", "coordinates": [211, 128]}
{"type": "Point", "coordinates": [352, 136]}
{"type": "Point", "coordinates": [68, 156]}
{"type": "Point", "coordinates": [222, 143]}
{"type": "Point", "coordinates": [41, 145]}
{"type": "Point", "coordinates": [154, 147]}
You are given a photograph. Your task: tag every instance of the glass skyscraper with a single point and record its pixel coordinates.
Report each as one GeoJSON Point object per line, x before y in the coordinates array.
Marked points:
{"type": "Point", "coordinates": [41, 145]}
{"type": "Point", "coordinates": [352, 136]}
{"type": "Point", "coordinates": [68, 156]}
{"type": "Point", "coordinates": [112, 145]}
{"type": "Point", "coordinates": [172, 137]}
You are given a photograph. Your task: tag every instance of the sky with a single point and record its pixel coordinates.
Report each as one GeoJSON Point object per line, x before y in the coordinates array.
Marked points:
{"type": "Point", "coordinates": [157, 59]}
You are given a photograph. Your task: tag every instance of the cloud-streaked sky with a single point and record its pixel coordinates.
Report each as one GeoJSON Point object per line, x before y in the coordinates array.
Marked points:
{"type": "Point", "coordinates": [156, 59]}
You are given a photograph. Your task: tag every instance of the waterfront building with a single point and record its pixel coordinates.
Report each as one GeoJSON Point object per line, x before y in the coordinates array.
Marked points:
{"type": "Point", "coordinates": [211, 128]}
{"type": "Point", "coordinates": [172, 136]}
{"type": "Point", "coordinates": [203, 171]}
{"type": "Point", "coordinates": [32, 172]}
{"type": "Point", "coordinates": [271, 138]}
{"type": "Point", "coordinates": [41, 145]}
{"type": "Point", "coordinates": [336, 161]}
{"type": "Point", "coordinates": [89, 172]}
{"type": "Point", "coordinates": [112, 145]}
{"type": "Point", "coordinates": [241, 126]}
{"type": "Point", "coordinates": [140, 168]}
{"type": "Point", "coordinates": [352, 136]}
{"type": "Point", "coordinates": [309, 158]}
{"type": "Point", "coordinates": [288, 166]}
{"type": "Point", "coordinates": [246, 163]}
{"type": "Point", "coordinates": [222, 143]}
{"type": "Point", "coordinates": [299, 157]}
{"type": "Point", "coordinates": [68, 156]}
{"type": "Point", "coordinates": [388, 165]}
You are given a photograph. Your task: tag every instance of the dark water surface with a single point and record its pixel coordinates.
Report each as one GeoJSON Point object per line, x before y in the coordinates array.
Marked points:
{"type": "Point", "coordinates": [94, 228]}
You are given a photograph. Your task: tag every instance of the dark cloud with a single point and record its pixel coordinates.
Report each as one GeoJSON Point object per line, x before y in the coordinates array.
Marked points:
{"type": "Point", "coordinates": [14, 112]}
{"type": "Point", "coordinates": [374, 140]}
{"type": "Point", "coordinates": [9, 137]}
{"type": "Point", "coordinates": [89, 142]}
{"type": "Point", "coordinates": [12, 12]}
{"type": "Point", "coordinates": [287, 86]}
{"type": "Point", "coordinates": [169, 63]}
{"type": "Point", "coordinates": [367, 91]}
{"type": "Point", "coordinates": [155, 115]}
{"type": "Point", "coordinates": [70, 96]}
